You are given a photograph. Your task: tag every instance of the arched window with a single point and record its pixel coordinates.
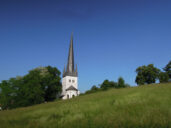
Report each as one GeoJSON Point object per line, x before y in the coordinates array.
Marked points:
{"type": "Point", "coordinates": [67, 96]}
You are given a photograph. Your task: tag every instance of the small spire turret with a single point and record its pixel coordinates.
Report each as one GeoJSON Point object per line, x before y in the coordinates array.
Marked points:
{"type": "Point", "coordinates": [76, 68]}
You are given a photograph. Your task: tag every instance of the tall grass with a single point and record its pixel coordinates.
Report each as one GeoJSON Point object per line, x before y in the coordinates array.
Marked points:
{"type": "Point", "coordinates": [135, 107]}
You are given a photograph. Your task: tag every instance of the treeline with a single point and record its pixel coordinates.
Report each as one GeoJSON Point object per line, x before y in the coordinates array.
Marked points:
{"type": "Point", "coordinates": [39, 85]}
{"type": "Point", "coordinates": [150, 74]}
{"type": "Point", "coordinates": [145, 75]}
{"type": "Point", "coordinates": [107, 85]}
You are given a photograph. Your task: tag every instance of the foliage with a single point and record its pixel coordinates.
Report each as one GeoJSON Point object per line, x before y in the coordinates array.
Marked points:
{"type": "Point", "coordinates": [51, 83]}
{"type": "Point", "coordinates": [121, 82]}
{"type": "Point", "coordinates": [39, 85]}
{"type": "Point", "coordinates": [163, 77]}
{"type": "Point", "coordinates": [8, 93]}
{"type": "Point", "coordinates": [107, 85]}
{"type": "Point", "coordinates": [147, 74]}
{"type": "Point", "coordinates": [167, 69]}
{"type": "Point", "coordinates": [93, 89]}
{"type": "Point", "coordinates": [136, 107]}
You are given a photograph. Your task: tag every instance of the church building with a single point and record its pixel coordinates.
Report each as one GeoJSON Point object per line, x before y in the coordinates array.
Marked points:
{"type": "Point", "coordinates": [70, 76]}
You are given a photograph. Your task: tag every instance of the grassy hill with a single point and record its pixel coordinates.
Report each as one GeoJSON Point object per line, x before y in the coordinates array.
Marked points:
{"type": "Point", "coordinates": [136, 107]}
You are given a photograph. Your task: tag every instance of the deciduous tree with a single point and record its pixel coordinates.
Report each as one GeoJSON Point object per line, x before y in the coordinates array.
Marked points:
{"type": "Point", "coordinates": [39, 85]}
{"type": "Point", "coordinates": [167, 69]}
{"type": "Point", "coordinates": [147, 74]}
{"type": "Point", "coordinates": [163, 77]}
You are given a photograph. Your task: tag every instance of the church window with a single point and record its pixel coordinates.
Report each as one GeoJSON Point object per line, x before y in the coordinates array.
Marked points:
{"type": "Point", "coordinates": [73, 81]}
{"type": "Point", "coordinates": [69, 80]}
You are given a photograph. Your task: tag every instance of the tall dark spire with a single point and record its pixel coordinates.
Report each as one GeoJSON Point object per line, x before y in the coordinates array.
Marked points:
{"type": "Point", "coordinates": [64, 69]}
{"type": "Point", "coordinates": [70, 65]}
{"type": "Point", "coordinates": [70, 71]}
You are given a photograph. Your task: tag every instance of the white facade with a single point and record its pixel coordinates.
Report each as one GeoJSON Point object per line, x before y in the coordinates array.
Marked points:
{"type": "Point", "coordinates": [70, 76]}
{"type": "Point", "coordinates": [68, 82]}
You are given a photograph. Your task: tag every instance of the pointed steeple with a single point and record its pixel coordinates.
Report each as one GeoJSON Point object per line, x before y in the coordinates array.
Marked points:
{"type": "Point", "coordinates": [70, 65]}
{"type": "Point", "coordinates": [76, 68]}
{"type": "Point", "coordinates": [64, 69]}
{"type": "Point", "coordinates": [70, 71]}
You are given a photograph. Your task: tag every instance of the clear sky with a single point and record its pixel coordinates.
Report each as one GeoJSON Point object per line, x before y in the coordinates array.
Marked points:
{"type": "Point", "coordinates": [111, 37]}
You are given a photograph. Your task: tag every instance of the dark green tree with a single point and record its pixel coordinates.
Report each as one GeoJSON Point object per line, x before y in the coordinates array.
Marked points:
{"type": "Point", "coordinates": [163, 77]}
{"type": "Point", "coordinates": [31, 91]}
{"type": "Point", "coordinates": [147, 74]}
{"type": "Point", "coordinates": [105, 85]}
{"type": "Point", "coordinates": [94, 88]}
{"type": "Point", "coordinates": [6, 95]}
{"type": "Point", "coordinates": [39, 85]}
{"type": "Point", "coordinates": [121, 82]}
{"type": "Point", "coordinates": [52, 84]}
{"type": "Point", "coordinates": [113, 84]}
{"type": "Point", "coordinates": [167, 69]}
{"type": "Point", "coordinates": [108, 84]}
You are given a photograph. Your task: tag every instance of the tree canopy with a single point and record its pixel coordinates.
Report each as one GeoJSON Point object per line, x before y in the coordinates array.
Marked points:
{"type": "Point", "coordinates": [39, 85]}
{"type": "Point", "coordinates": [147, 74]}
{"type": "Point", "coordinates": [121, 82]}
{"type": "Point", "coordinates": [167, 69]}
{"type": "Point", "coordinates": [163, 77]}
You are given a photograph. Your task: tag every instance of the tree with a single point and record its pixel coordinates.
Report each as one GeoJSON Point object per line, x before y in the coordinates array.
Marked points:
{"type": "Point", "coordinates": [121, 82]}
{"type": "Point", "coordinates": [39, 85]}
{"type": "Point", "coordinates": [53, 86]}
{"type": "Point", "coordinates": [105, 84]}
{"type": "Point", "coordinates": [31, 91]}
{"type": "Point", "coordinates": [108, 84]}
{"type": "Point", "coordinates": [167, 69]}
{"type": "Point", "coordinates": [113, 84]}
{"type": "Point", "coordinates": [147, 74]}
{"type": "Point", "coordinates": [163, 77]}
{"type": "Point", "coordinates": [6, 95]}
{"type": "Point", "coordinates": [94, 88]}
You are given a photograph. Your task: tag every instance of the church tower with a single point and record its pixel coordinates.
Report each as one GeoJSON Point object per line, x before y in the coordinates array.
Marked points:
{"type": "Point", "coordinates": [70, 76]}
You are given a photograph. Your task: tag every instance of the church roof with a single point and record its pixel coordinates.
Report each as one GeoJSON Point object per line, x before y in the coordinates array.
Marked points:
{"type": "Point", "coordinates": [70, 70]}
{"type": "Point", "coordinates": [71, 88]}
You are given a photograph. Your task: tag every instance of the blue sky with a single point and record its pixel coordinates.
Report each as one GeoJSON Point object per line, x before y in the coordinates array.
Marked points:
{"type": "Point", "coordinates": [111, 37]}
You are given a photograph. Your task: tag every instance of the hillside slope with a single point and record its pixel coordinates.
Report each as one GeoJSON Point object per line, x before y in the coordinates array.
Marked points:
{"type": "Point", "coordinates": [145, 106]}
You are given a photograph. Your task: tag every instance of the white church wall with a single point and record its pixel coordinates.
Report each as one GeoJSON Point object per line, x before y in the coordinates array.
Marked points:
{"type": "Point", "coordinates": [63, 85]}
{"type": "Point", "coordinates": [68, 81]}
{"type": "Point", "coordinates": [70, 94]}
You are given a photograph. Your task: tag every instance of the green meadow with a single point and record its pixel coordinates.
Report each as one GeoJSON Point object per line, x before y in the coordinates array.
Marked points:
{"type": "Point", "coordinates": [146, 106]}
